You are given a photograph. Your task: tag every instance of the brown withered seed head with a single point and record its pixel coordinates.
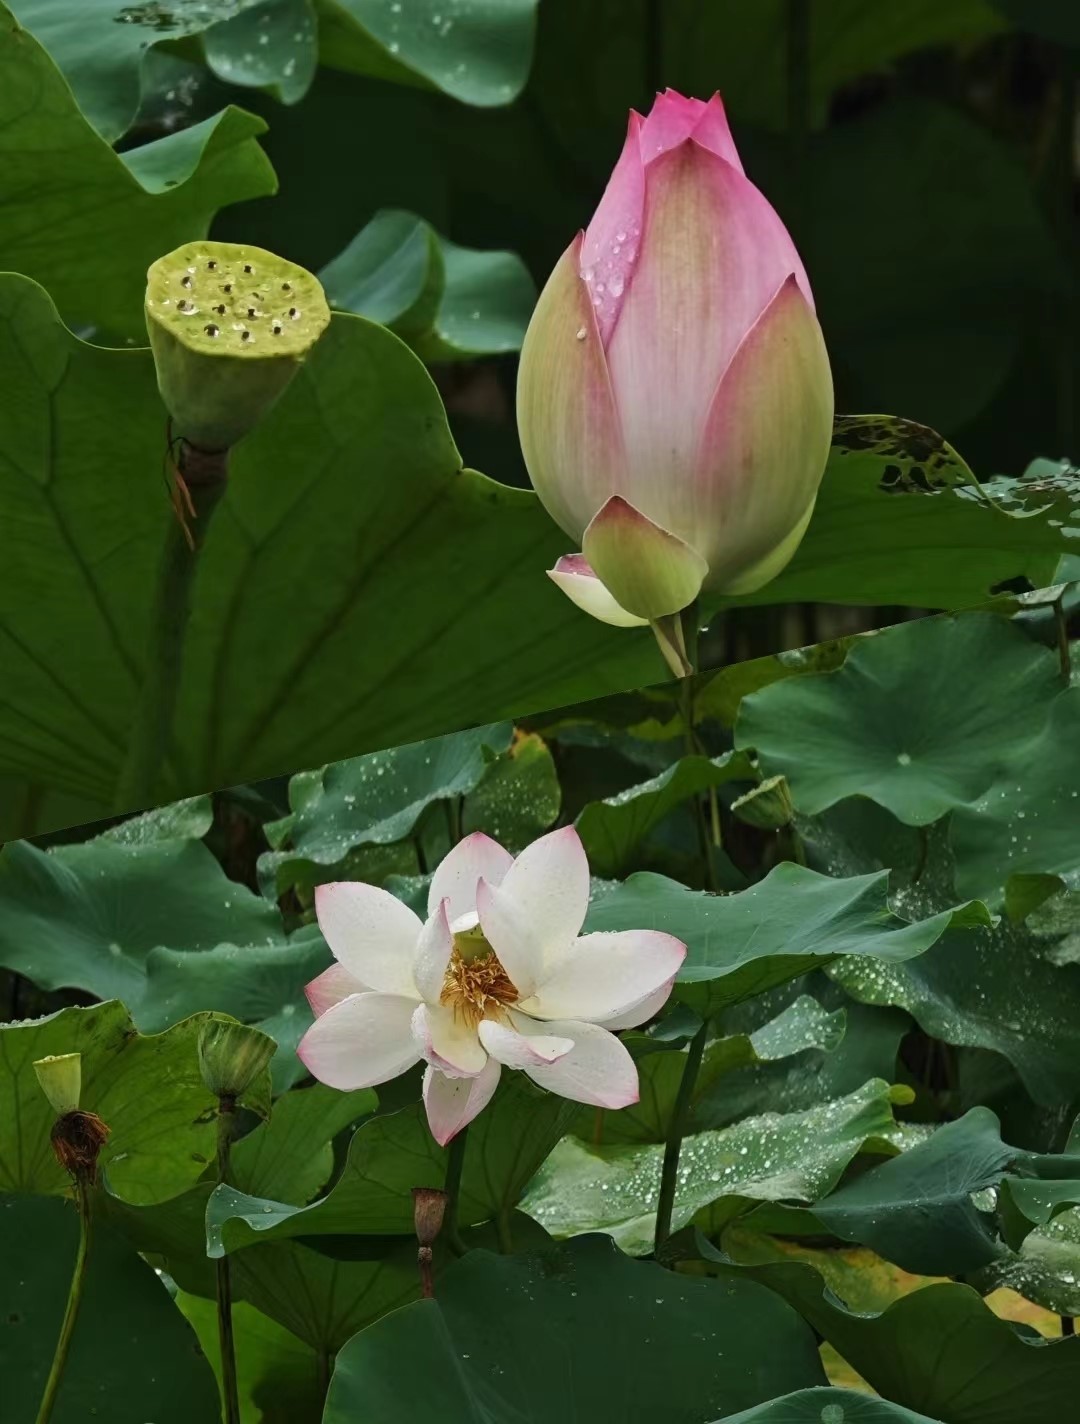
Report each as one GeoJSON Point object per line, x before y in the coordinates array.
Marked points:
{"type": "Point", "coordinates": [77, 1139]}
{"type": "Point", "coordinates": [429, 1207]}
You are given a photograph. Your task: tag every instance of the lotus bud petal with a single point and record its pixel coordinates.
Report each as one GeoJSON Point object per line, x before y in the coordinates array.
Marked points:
{"type": "Point", "coordinates": [675, 362]}
{"type": "Point", "coordinates": [232, 1055]}
{"type": "Point", "coordinates": [60, 1077]}
{"type": "Point", "coordinates": [648, 571]}
{"type": "Point", "coordinates": [768, 806]}
{"type": "Point", "coordinates": [579, 582]}
{"type": "Point", "coordinates": [229, 327]}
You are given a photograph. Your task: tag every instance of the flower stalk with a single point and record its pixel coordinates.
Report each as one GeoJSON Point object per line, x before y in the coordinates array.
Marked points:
{"type": "Point", "coordinates": [455, 1162]}
{"type": "Point", "coordinates": [680, 1117]}
{"type": "Point", "coordinates": [77, 1138]}
{"type": "Point", "coordinates": [229, 1387]}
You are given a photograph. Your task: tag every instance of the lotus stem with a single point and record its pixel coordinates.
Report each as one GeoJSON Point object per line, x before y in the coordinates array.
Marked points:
{"type": "Point", "coordinates": [229, 1388]}
{"type": "Point", "coordinates": [204, 475]}
{"type": "Point", "coordinates": [680, 1115]}
{"type": "Point", "coordinates": [74, 1300]}
{"type": "Point", "coordinates": [455, 1161]}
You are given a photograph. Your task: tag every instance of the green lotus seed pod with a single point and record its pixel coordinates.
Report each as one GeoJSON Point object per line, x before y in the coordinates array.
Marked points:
{"type": "Point", "coordinates": [60, 1077]}
{"type": "Point", "coordinates": [229, 326]}
{"type": "Point", "coordinates": [232, 1055]}
{"type": "Point", "coordinates": [768, 806]}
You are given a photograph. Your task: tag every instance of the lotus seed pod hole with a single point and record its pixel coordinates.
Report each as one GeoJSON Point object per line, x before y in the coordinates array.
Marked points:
{"type": "Point", "coordinates": [228, 299]}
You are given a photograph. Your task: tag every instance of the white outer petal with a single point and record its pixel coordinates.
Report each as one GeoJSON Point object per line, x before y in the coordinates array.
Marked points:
{"type": "Point", "coordinates": [371, 932]}
{"type": "Point", "coordinates": [331, 986]}
{"type": "Point", "coordinates": [606, 975]}
{"type": "Point", "coordinates": [364, 1040]}
{"type": "Point", "coordinates": [452, 1103]}
{"type": "Point", "coordinates": [476, 857]}
{"type": "Point", "coordinates": [641, 1012]}
{"type": "Point", "coordinates": [515, 1050]}
{"type": "Point", "coordinates": [598, 1069]}
{"type": "Point", "coordinates": [432, 955]}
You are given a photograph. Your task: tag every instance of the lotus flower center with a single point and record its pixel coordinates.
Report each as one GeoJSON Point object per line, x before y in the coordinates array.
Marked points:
{"type": "Point", "coordinates": [475, 985]}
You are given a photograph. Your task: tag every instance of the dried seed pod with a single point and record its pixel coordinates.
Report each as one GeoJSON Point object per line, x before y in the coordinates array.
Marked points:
{"type": "Point", "coordinates": [218, 376]}
{"type": "Point", "coordinates": [77, 1139]}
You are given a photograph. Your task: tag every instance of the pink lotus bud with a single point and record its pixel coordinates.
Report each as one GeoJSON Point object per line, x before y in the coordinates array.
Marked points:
{"type": "Point", "coordinates": [675, 401]}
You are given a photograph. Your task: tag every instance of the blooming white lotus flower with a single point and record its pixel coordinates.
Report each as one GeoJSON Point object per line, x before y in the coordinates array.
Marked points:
{"type": "Point", "coordinates": [496, 977]}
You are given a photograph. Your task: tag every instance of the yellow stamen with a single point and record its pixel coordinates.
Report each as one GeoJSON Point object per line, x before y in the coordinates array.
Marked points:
{"type": "Point", "coordinates": [474, 988]}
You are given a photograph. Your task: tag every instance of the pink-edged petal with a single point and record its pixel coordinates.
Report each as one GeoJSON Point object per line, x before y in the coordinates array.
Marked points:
{"type": "Point", "coordinates": [447, 1042]}
{"type": "Point", "coordinates": [476, 857]}
{"type": "Point", "coordinates": [433, 951]}
{"type": "Point", "coordinates": [364, 1040]}
{"type": "Point", "coordinates": [569, 427]}
{"type": "Point", "coordinates": [371, 933]}
{"type": "Point", "coordinates": [641, 1012]}
{"type": "Point", "coordinates": [607, 974]}
{"type": "Point", "coordinates": [330, 987]}
{"type": "Point", "coordinates": [578, 581]}
{"type": "Point", "coordinates": [452, 1103]}
{"type": "Point", "coordinates": [612, 238]}
{"type": "Point", "coordinates": [597, 1070]}
{"type": "Point", "coordinates": [647, 570]}
{"type": "Point", "coordinates": [515, 1050]}
{"type": "Point", "coordinates": [712, 132]}
{"type": "Point", "coordinates": [674, 118]}
{"type": "Point", "coordinates": [537, 912]}
{"type": "Point", "coordinates": [713, 255]}
{"type": "Point", "coordinates": [765, 444]}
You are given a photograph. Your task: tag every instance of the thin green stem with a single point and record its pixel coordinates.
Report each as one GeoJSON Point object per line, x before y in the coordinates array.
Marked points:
{"type": "Point", "coordinates": [155, 711]}
{"type": "Point", "coordinates": [455, 1161]}
{"type": "Point", "coordinates": [229, 1387]}
{"type": "Point", "coordinates": [74, 1300]}
{"type": "Point", "coordinates": [680, 1115]}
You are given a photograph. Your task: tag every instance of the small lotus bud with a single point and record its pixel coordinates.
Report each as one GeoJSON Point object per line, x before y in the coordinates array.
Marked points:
{"type": "Point", "coordinates": [768, 806]}
{"type": "Point", "coordinates": [232, 1055]}
{"type": "Point", "coordinates": [60, 1076]}
{"type": "Point", "coordinates": [429, 1207]}
{"type": "Point", "coordinates": [229, 327]}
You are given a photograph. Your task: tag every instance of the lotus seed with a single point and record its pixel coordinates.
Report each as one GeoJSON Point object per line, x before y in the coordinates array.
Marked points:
{"type": "Point", "coordinates": [211, 265]}
{"type": "Point", "coordinates": [227, 288]}
{"type": "Point", "coordinates": [220, 308]}
{"type": "Point", "coordinates": [294, 312]}
{"type": "Point", "coordinates": [211, 329]}
{"type": "Point", "coordinates": [185, 281]}
{"type": "Point", "coordinates": [286, 286]}
{"type": "Point", "coordinates": [245, 336]}
{"type": "Point", "coordinates": [248, 267]}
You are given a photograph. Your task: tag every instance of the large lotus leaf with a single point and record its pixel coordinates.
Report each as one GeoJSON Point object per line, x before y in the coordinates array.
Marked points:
{"type": "Point", "coordinates": [519, 796]}
{"type": "Point", "coordinates": [392, 1153]}
{"type": "Point", "coordinates": [106, 217]}
{"type": "Point", "coordinates": [907, 720]}
{"type": "Point", "coordinates": [148, 1090]}
{"type": "Point", "coordinates": [377, 799]}
{"type": "Point", "coordinates": [988, 988]}
{"type": "Point", "coordinates": [101, 47]}
{"type": "Point", "coordinates": [87, 916]}
{"type": "Point", "coordinates": [478, 52]}
{"type": "Point", "coordinates": [353, 487]}
{"type": "Point", "coordinates": [272, 44]}
{"type": "Point", "coordinates": [917, 1209]}
{"type": "Point", "coordinates": [1045, 1268]}
{"type": "Point", "coordinates": [1019, 841]}
{"type": "Point", "coordinates": [477, 1353]}
{"type": "Point", "coordinates": [828, 1406]}
{"type": "Point", "coordinates": [289, 1157]}
{"type": "Point", "coordinates": [261, 984]}
{"type": "Point", "coordinates": [792, 1157]}
{"type": "Point", "coordinates": [940, 1350]}
{"type": "Point", "coordinates": [793, 921]}
{"type": "Point", "coordinates": [613, 830]}
{"type": "Point", "coordinates": [802, 1027]}
{"type": "Point", "coordinates": [133, 1356]}
{"type": "Point", "coordinates": [898, 521]}
{"type": "Point", "coordinates": [448, 302]}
